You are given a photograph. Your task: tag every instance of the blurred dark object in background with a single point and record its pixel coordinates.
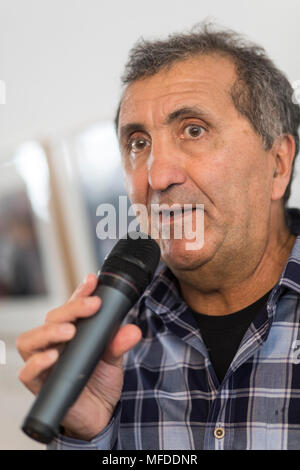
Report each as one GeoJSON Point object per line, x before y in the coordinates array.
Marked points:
{"type": "Point", "coordinates": [21, 272]}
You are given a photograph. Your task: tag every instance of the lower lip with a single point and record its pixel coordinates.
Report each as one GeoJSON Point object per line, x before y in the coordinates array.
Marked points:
{"type": "Point", "coordinates": [174, 218]}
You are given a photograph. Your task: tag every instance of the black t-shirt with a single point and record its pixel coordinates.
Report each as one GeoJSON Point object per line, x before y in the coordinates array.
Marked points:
{"type": "Point", "coordinates": [222, 335]}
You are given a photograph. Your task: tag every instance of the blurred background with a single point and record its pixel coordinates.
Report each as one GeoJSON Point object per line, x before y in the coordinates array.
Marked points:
{"type": "Point", "coordinates": [61, 63]}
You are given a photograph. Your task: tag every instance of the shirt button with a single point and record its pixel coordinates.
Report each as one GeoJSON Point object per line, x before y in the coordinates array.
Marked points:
{"type": "Point", "coordinates": [219, 433]}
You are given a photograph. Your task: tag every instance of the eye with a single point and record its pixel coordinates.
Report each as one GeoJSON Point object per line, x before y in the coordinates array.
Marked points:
{"type": "Point", "coordinates": [137, 144]}
{"type": "Point", "coordinates": [193, 130]}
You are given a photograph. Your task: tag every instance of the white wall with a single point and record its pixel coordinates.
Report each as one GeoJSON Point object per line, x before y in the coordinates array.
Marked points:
{"type": "Point", "coordinates": [61, 59]}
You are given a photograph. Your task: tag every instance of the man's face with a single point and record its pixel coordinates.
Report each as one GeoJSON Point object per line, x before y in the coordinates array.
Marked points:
{"type": "Point", "coordinates": [183, 141]}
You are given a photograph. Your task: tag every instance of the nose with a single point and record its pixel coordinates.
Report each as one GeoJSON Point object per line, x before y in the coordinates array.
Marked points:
{"type": "Point", "coordinates": [165, 165]}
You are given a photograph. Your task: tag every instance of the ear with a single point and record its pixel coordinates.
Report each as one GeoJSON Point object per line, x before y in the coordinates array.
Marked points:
{"type": "Point", "coordinates": [283, 152]}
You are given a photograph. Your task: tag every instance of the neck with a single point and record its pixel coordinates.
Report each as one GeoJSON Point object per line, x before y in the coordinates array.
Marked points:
{"type": "Point", "coordinates": [204, 294]}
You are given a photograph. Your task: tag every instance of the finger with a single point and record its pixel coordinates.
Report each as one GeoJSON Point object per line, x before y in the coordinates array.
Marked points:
{"type": "Point", "coordinates": [77, 308]}
{"type": "Point", "coordinates": [44, 336]}
{"type": "Point", "coordinates": [85, 288]}
{"type": "Point", "coordinates": [125, 339]}
{"type": "Point", "coordinates": [31, 374]}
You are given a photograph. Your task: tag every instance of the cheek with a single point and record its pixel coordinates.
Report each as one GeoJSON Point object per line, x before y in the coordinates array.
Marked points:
{"type": "Point", "coordinates": [217, 174]}
{"type": "Point", "coordinates": [136, 182]}
{"type": "Point", "coordinates": [231, 176]}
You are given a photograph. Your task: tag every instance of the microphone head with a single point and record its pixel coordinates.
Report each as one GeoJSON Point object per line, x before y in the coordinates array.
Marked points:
{"type": "Point", "coordinates": [135, 258]}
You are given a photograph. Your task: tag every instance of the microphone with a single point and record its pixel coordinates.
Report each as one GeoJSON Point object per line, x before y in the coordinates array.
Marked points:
{"type": "Point", "coordinates": [124, 276]}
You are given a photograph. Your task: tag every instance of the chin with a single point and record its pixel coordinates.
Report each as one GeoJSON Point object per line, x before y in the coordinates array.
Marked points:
{"type": "Point", "coordinates": [176, 255]}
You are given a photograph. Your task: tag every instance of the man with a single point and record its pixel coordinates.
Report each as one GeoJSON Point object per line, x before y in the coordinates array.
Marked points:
{"type": "Point", "coordinates": [211, 347]}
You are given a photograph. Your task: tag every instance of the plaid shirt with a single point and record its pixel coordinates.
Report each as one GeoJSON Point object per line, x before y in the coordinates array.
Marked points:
{"type": "Point", "coordinates": [172, 398]}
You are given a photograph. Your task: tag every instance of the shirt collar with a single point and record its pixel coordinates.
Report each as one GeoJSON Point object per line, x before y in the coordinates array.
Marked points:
{"type": "Point", "coordinates": [163, 294]}
{"type": "Point", "coordinates": [290, 276]}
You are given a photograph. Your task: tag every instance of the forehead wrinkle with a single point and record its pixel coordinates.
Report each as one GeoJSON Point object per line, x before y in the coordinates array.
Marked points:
{"type": "Point", "coordinates": [160, 99]}
{"type": "Point", "coordinates": [182, 111]}
{"type": "Point", "coordinates": [201, 74]}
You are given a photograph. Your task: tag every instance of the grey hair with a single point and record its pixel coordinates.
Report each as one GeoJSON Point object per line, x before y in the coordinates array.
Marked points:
{"type": "Point", "coordinates": [261, 92]}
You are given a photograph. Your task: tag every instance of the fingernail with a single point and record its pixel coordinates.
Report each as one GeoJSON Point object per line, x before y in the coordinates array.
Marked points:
{"type": "Point", "coordinates": [86, 279]}
{"type": "Point", "coordinates": [53, 354]}
{"type": "Point", "coordinates": [83, 282]}
{"type": "Point", "coordinates": [67, 328]}
{"type": "Point", "coordinates": [93, 300]}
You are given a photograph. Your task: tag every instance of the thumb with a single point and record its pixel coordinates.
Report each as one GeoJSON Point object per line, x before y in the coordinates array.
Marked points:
{"type": "Point", "coordinates": [125, 339]}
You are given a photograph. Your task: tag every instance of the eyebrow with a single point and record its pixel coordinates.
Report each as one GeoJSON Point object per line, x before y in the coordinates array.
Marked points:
{"type": "Point", "coordinates": [191, 111]}
{"type": "Point", "coordinates": [130, 128]}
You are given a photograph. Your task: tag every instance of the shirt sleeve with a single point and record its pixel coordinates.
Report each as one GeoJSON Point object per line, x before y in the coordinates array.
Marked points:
{"type": "Point", "coordinates": [105, 440]}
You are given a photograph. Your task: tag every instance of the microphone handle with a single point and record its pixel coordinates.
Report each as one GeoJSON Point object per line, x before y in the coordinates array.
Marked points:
{"type": "Point", "coordinates": [76, 364]}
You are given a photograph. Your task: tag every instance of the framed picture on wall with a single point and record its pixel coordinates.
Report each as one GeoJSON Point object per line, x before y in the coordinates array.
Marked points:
{"type": "Point", "coordinates": [32, 275]}
{"type": "Point", "coordinates": [87, 167]}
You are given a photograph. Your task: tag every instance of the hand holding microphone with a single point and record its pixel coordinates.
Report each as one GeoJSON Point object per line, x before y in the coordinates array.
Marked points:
{"type": "Point", "coordinates": [80, 388]}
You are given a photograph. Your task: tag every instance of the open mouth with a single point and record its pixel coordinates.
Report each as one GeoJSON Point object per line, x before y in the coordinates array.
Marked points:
{"type": "Point", "coordinates": [174, 215]}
